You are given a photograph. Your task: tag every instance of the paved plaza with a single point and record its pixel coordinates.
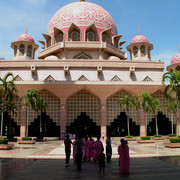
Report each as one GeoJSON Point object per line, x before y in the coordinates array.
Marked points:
{"type": "Point", "coordinates": [45, 160]}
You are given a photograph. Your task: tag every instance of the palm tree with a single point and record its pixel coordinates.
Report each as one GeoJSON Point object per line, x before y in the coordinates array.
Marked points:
{"type": "Point", "coordinates": [128, 101]}
{"type": "Point", "coordinates": [8, 93]}
{"type": "Point", "coordinates": [172, 89]}
{"type": "Point", "coordinates": [145, 102]}
{"type": "Point", "coordinates": [42, 107]}
{"type": "Point", "coordinates": [31, 100]}
{"type": "Point", "coordinates": [172, 107]}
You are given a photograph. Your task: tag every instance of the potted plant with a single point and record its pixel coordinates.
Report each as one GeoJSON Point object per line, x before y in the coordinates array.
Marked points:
{"type": "Point", "coordinates": [174, 143]}
{"type": "Point", "coordinates": [158, 137]}
{"type": "Point", "coordinates": [4, 144]}
{"type": "Point", "coordinates": [26, 140]}
{"type": "Point", "coordinates": [130, 138]}
{"type": "Point", "coordinates": [145, 139]}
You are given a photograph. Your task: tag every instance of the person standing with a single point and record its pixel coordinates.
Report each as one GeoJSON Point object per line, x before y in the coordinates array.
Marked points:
{"type": "Point", "coordinates": [124, 161]}
{"type": "Point", "coordinates": [98, 146]}
{"type": "Point", "coordinates": [79, 143]}
{"type": "Point", "coordinates": [67, 143]}
{"type": "Point", "coordinates": [108, 149]}
{"type": "Point", "coordinates": [86, 149]}
{"type": "Point", "coordinates": [91, 148]}
{"type": "Point", "coordinates": [102, 160]}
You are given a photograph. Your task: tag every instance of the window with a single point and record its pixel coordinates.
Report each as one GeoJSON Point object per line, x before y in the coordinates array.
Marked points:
{"type": "Point", "coordinates": [29, 51]}
{"type": "Point", "coordinates": [105, 38]}
{"type": "Point", "coordinates": [59, 38]}
{"type": "Point", "coordinates": [49, 43]}
{"type": "Point", "coordinates": [74, 36]}
{"type": "Point", "coordinates": [149, 55]}
{"type": "Point", "coordinates": [21, 50]}
{"type": "Point", "coordinates": [135, 51]}
{"type": "Point", "coordinates": [90, 36]}
{"type": "Point", "coordinates": [143, 50]}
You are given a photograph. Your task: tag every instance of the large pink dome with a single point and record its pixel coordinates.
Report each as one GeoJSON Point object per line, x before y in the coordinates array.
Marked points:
{"type": "Point", "coordinates": [175, 59]}
{"type": "Point", "coordinates": [82, 14]}
{"type": "Point", "coordinates": [139, 38]}
{"type": "Point", "coordinates": [25, 37]}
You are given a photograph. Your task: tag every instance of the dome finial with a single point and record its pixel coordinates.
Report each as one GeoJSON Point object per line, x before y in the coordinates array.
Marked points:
{"type": "Point", "coordinates": [82, 0]}
{"type": "Point", "coordinates": [26, 30]}
{"type": "Point", "coordinates": [179, 48]}
{"type": "Point", "coordinates": [138, 31]}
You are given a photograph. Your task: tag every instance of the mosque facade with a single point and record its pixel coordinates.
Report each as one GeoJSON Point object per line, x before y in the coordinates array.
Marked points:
{"type": "Point", "coordinates": [81, 72]}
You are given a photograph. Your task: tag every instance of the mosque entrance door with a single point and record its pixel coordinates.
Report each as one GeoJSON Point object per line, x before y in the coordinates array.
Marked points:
{"type": "Point", "coordinates": [10, 128]}
{"type": "Point", "coordinates": [83, 126]}
{"type": "Point", "coordinates": [163, 123]}
{"type": "Point", "coordinates": [119, 127]}
{"type": "Point", "coordinates": [43, 126]}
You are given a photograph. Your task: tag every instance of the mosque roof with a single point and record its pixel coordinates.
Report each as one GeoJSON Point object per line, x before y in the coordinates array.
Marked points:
{"type": "Point", "coordinates": [25, 37]}
{"type": "Point", "coordinates": [176, 59]}
{"type": "Point", "coordinates": [139, 38]}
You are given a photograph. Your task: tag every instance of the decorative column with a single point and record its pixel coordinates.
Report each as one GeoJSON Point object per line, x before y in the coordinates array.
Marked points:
{"type": "Point", "coordinates": [103, 118]}
{"type": "Point", "coordinates": [23, 127]}
{"type": "Point", "coordinates": [142, 123]}
{"type": "Point", "coordinates": [178, 123]}
{"type": "Point", "coordinates": [63, 116]}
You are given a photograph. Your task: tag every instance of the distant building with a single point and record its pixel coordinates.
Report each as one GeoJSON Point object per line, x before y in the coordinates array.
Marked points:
{"type": "Point", "coordinates": [81, 73]}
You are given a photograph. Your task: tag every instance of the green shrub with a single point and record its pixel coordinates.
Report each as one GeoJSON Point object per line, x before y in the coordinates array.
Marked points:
{"type": "Point", "coordinates": [3, 141]}
{"type": "Point", "coordinates": [158, 135]}
{"type": "Point", "coordinates": [26, 138]}
{"type": "Point", "coordinates": [172, 135]}
{"type": "Point", "coordinates": [145, 137]}
{"type": "Point", "coordinates": [128, 136]}
{"type": "Point", "coordinates": [174, 140]}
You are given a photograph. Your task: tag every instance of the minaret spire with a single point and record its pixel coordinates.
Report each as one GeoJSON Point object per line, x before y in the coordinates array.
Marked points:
{"type": "Point", "coordinates": [26, 30]}
{"type": "Point", "coordinates": [179, 48]}
{"type": "Point", "coordinates": [138, 31]}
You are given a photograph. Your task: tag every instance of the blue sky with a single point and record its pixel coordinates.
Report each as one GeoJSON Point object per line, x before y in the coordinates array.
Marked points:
{"type": "Point", "coordinates": [158, 20]}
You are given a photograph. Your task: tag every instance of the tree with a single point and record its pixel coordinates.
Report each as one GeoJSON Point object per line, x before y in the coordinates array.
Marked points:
{"type": "Point", "coordinates": [8, 94]}
{"type": "Point", "coordinates": [128, 101]}
{"type": "Point", "coordinates": [172, 107]}
{"type": "Point", "coordinates": [146, 102]}
{"type": "Point", "coordinates": [42, 107]}
{"type": "Point", "coordinates": [31, 99]}
{"type": "Point", "coordinates": [172, 89]}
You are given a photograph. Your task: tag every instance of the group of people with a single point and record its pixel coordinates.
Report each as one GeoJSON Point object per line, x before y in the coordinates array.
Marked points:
{"type": "Point", "coordinates": [87, 149]}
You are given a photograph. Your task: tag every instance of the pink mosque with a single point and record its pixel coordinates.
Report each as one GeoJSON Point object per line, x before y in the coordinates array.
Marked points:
{"type": "Point", "coordinates": [81, 72]}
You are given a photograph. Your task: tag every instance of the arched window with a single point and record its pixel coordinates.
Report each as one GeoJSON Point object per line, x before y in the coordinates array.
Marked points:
{"type": "Point", "coordinates": [21, 50]}
{"type": "Point", "coordinates": [143, 50]}
{"type": "Point", "coordinates": [135, 51]}
{"type": "Point", "coordinates": [105, 38]}
{"type": "Point", "coordinates": [49, 43]}
{"type": "Point", "coordinates": [15, 50]}
{"type": "Point", "coordinates": [90, 36]}
{"type": "Point", "coordinates": [29, 51]}
{"type": "Point", "coordinates": [74, 36]}
{"type": "Point", "coordinates": [59, 38]}
{"type": "Point", "coordinates": [149, 55]}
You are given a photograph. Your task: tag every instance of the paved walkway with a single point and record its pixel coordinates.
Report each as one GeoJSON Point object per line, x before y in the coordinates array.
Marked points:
{"type": "Point", "coordinates": [45, 160]}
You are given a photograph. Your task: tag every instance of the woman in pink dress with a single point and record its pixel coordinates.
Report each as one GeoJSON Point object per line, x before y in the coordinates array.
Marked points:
{"type": "Point", "coordinates": [86, 149]}
{"type": "Point", "coordinates": [74, 149]}
{"type": "Point", "coordinates": [91, 148]}
{"type": "Point", "coordinates": [124, 161]}
{"type": "Point", "coordinates": [98, 146]}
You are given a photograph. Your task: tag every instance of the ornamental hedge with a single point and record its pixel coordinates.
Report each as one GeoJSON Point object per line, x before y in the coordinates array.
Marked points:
{"type": "Point", "coordinates": [172, 135]}
{"type": "Point", "coordinates": [174, 140]}
{"type": "Point", "coordinates": [3, 141]}
{"type": "Point", "coordinates": [145, 137]}
{"type": "Point", "coordinates": [128, 136]}
{"type": "Point", "coordinates": [26, 138]}
{"type": "Point", "coordinates": [158, 135]}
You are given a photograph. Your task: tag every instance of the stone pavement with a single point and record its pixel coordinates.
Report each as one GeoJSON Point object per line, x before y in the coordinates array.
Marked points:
{"type": "Point", "coordinates": [45, 160]}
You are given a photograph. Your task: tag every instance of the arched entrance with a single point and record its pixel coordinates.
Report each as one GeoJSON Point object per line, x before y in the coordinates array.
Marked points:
{"type": "Point", "coordinates": [83, 126]}
{"type": "Point", "coordinates": [120, 126]}
{"type": "Point", "coordinates": [163, 124]}
{"type": "Point", "coordinates": [43, 126]}
{"type": "Point", "coordinates": [49, 120]}
{"type": "Point", "coordinates": [83, 112]}
{"type": "Point", "coordinates": [117, 118]}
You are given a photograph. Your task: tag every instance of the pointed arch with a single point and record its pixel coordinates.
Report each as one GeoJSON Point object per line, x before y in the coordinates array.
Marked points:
{"type": "Point", "coordinates": [74, 33]}
{"type": "Point", "coordinates": [83, 78]}
{"type": "Point", "coordinates": [18, 78]}
{"type": "Point", "coordinates": [116, 78]}
{"type": "Point", "coordinates": [91, 33]}
{"type": "Point", "coordinates": [82, 55]}
{"type": "Point", "coordinates": [48, 40]}
{"type": "Point", "coordinates": [106, 36]}
{"type": "Point", "coordinates": [49, 78]}
{"type": "Point", "coordinates": [147, 79]}
{"type": "Point", "coordinates": [58, 35]}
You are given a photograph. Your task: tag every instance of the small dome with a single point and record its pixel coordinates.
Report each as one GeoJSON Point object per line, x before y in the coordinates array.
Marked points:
{"type": "Point", "coordinates": [175, 59]}
{"type": "Point", "coordinates": [139, 38]}
{"type": "Point", "coordinates": [52, 57]}
{"type": "Point", "coordinates": [113, 58]}
{"type": "Point", "coordinates": [25, 37]}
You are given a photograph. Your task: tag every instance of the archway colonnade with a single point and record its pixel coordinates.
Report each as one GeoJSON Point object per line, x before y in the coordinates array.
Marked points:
{"type": "Point", "coordinates": [103, 110]}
